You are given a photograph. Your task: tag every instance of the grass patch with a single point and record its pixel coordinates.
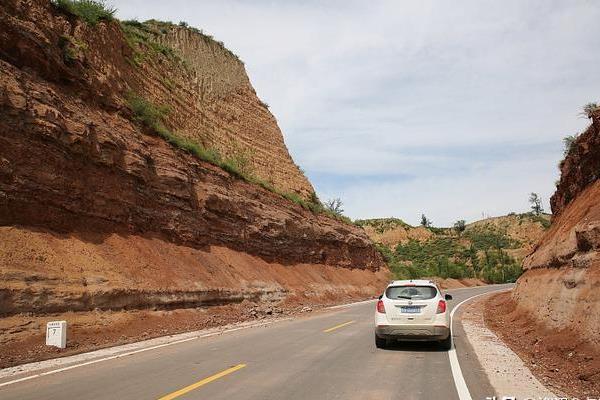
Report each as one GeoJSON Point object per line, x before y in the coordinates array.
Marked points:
{"type": "Point", "coordinates": [168, 83]}
{"type": "Point", "coordinates": [71, 48]}
{"type": "Point", "coordinates": [151, 116]}
{"type": "Point", "coordinates": [91, 11]}
{"type": "Point", "coordinates": [164, 26]}
{"type": "Point", "coordinates": [141, 38]}
{"type": "Point", "coordinates": [487, 238]}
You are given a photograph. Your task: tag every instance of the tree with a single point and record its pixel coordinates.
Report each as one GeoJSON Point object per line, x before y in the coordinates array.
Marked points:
{"type": "Point", "coordinates": [589, 109]}
{"type": "Point", "coordinates": [569, 142]}
{"type": "Point", "coordinates": [335, 206]}
{"type": "Point", "coordinates": [425, 222]}
{"type": "Point", "coordinates": [536, 203]}
{"type": "Point", "coordinates": [460, 225]}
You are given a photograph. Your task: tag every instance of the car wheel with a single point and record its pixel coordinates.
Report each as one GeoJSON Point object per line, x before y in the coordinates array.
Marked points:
{"type": "Point", "coordinates": [380, 343]}
{"type": "Point", "coordinates": [446, 344]}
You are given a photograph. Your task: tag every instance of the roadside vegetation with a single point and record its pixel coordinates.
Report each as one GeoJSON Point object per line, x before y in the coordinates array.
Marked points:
{"type": "Point", "coordinates": [142, 36]}
{"type": "Point", "coordinates": [482, 255]}
{"type": "Point", "coordinates": [480, 251]}
{"type": "Point", "coordinates": [91, 11]}
{"type": "Point", "coordinates": [142, 39]}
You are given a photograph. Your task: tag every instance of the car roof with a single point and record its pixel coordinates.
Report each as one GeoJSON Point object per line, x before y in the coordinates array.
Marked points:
{"type": "Point", "coordinates": [411, 282]}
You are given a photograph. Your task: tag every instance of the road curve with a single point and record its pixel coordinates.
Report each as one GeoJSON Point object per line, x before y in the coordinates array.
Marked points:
{"type": "Point", "coordinates": [330, 355]}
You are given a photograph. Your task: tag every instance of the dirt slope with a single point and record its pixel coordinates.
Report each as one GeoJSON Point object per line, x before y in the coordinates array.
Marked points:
{"type": "Point", "coordinates": [99, 213]}
{"type": "Point", "coordinates": [560, 287]}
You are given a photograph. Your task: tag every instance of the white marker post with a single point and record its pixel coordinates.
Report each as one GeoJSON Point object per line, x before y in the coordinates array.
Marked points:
{"type": "Point", "coordinates": [56, 334]}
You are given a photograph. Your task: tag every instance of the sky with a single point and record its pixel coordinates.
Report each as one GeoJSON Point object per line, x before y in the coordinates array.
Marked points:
{"type": "Point", "coordinates": [452, 109]}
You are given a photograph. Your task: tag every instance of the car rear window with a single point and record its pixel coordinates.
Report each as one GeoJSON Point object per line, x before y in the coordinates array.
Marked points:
{"type": "Point", "coordinates": [411, 292]}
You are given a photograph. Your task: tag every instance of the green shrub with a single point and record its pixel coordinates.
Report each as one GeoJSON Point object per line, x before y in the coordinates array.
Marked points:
{"type": "Point", "coordinates": [141, 38]}
{"type": "Point", "coordinates": [334, 206]}
{"type": "Point", "coordinates": [448, 257]}
{"type": "Point", "coordinates": [589, 109]}
{"type": "Point", "coordinates": [147, 113]}
{"type": "Point", "coordinates": [91, 11]}
{"type": "Point", "coordinates": [70, 48]}
{"type": "Point", "coordinates": [151, 116]}
{"type": "Point", "coordinates": [460, 226]}
{"type": "Point", "coordinates": [569, 144]}
{"type": "Point", "coordinates": [398, 270]}
{"type": "Point", "coordinates": [162, 49]}
{"type": "Point", "coordinates": [487, 238]}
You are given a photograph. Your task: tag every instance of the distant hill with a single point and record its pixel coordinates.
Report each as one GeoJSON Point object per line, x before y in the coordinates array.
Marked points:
{"type": "Point", "coordinates": [491, 249]}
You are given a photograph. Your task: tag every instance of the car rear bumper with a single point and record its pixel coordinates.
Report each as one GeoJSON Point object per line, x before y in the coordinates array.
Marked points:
{"type": "Point", "coordinates": [412, 332]}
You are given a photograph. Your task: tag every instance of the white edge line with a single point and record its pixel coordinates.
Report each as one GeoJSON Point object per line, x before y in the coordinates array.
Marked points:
{"type": "Point", "coordinates": [459, 380]}
{"type": "Point", "coordinates": [55, 371]}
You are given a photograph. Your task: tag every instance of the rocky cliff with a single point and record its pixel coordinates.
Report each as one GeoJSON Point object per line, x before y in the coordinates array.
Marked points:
{"type": "Point", "coordinates": [562, 278]}
{"type": "Point", "coordinates": [103, 208]}
{"type": "Point", "coordinates": [203, 84]}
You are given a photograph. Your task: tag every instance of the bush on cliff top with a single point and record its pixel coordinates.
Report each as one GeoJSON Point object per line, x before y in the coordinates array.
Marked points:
{"type": "Point", "coordinates": [589, 110]}
{"type": "Point", "coordinates": [91, 11]}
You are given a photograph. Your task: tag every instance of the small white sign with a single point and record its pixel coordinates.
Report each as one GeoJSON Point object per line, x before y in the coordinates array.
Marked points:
{"type": "Point", "coordinates": [56, 334]}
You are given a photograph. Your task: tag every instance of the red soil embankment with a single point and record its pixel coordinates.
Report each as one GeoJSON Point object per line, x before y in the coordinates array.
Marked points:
{"type": "Point", "coordinates": [557, 357]}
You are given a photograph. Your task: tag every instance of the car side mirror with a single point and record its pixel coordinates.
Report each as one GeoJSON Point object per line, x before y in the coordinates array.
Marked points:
{"type": "Point", "coordinates": [448, 297]}
{"type": "Point", "coordinates": [380, 296]}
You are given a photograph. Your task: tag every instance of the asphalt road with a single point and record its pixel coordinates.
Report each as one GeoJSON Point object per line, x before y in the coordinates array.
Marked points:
{"type": "Point", "coordinates": [330, 355]}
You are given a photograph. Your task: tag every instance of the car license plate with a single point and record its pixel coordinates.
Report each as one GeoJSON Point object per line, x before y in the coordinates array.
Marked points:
{"type": "Point", "coordinates": [410, 309]}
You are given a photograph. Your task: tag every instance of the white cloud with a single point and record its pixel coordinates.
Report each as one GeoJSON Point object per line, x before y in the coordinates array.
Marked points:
{"type": "Point", "coordinates": [396, 88]}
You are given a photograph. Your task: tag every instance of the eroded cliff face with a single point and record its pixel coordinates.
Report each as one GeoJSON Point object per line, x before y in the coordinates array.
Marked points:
{"type": "Point", "coordinates": [562, 280]}
{"type": "Point", "coordinates": [203, 84]}
{"type": "Point", "coordinates": [97, 212]}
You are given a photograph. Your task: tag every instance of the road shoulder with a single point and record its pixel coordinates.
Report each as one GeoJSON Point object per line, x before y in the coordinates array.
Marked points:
{"type": "Point", "coordinates": [489, 365]}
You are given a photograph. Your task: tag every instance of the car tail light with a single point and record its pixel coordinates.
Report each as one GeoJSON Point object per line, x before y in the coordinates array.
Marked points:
{"type": "Point", "coordinates": [441, 307]}
{"type": "Point", "coordinates": [380, 307]}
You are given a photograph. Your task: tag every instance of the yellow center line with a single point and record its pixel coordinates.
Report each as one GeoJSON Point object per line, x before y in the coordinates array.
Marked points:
{"type": "Point", "coordinates": [203, 382]}
{"type": "Point", "coordinates": [338, 326]}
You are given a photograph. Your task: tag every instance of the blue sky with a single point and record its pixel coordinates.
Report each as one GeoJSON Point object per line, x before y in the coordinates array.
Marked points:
{"type": "Point", "coordinates": [452, 109]}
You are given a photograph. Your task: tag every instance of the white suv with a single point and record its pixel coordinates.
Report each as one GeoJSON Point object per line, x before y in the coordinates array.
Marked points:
{"type": "Point", "coordinates": [412, 310]}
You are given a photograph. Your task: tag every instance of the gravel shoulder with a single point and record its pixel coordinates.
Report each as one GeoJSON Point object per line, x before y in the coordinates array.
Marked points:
{"type": "Point", "coordinates": [506, 372]}
{"type": "Point", "coordinates": [560, 359]}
